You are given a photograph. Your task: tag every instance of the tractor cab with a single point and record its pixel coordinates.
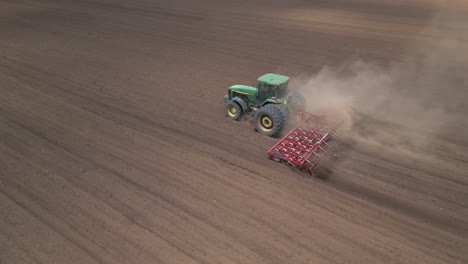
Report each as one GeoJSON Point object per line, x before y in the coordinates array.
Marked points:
{"type": "Point", "coordinates": [271, 87]}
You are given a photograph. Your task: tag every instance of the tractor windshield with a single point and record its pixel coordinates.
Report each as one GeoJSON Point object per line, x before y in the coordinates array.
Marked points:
{"type": "Point", "coordinates": [267, 91]}
{"type": "Point", "coordinates": [281, 90]}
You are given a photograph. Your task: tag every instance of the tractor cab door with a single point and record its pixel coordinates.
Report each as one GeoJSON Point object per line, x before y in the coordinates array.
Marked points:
{"type": "Point", "coordinates": [265, 91]}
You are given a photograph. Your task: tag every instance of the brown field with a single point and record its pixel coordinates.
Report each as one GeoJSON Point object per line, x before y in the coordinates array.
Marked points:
{"type": "Point", "coordinates": [114, 147]}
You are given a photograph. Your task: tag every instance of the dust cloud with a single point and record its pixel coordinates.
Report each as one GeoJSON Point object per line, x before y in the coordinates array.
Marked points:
{"type": "Point", "coordinates": [424, 93]}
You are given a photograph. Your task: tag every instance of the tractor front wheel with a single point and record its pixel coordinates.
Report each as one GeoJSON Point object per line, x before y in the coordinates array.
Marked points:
{"type": "Point", "coordinates": [269, 120]}
{"type": "Point", "coordinates": [233, 110]}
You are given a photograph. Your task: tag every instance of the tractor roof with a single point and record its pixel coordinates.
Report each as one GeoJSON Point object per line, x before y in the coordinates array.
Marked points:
{"type": "Point", "coordinates": [273, 79]}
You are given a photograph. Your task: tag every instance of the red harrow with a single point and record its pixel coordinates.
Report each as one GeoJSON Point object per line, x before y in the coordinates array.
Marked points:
{"type": "Point", "coordinates": [307, 144]}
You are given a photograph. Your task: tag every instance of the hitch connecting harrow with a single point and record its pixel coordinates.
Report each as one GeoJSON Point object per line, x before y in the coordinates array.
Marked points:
{"type": "Point", "coordinates": [307, 144]}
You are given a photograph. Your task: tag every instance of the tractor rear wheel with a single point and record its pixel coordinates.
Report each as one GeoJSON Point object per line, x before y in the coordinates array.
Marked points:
{"type": "Point", "coordinates": [268, 120]}
{"type": "Point", "coordinates": [284, 112]}
{"type": "Point", "coordinates": [233, 110]}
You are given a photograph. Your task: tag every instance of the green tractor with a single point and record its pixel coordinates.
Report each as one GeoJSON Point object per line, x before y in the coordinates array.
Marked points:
{"type": "Point", "coordinates": [269, 103]}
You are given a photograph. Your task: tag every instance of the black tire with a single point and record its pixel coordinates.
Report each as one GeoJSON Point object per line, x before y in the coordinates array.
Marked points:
{"type": "Point", "coordinates": [284, 112]}
{"type": "Point", "coordinates": [268, 120]}
{"type": "Point", "coordinates": [297, 101]}
{"type": "Point", "coordinates": [233, 110]}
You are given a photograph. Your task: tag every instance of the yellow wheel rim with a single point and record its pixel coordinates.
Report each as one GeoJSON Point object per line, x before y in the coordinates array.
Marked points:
{"type": "Point", "coordinates": [232, 111]}
{"type": "Point", "coordinates": [266, 122]}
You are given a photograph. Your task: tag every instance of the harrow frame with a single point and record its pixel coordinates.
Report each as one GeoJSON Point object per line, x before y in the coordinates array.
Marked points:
{"type": "Point", "coordinates": [306, 144]}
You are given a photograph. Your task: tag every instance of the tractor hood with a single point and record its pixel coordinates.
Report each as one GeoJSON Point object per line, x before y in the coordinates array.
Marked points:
{"type": "Point", "coordinates": [243, 89]}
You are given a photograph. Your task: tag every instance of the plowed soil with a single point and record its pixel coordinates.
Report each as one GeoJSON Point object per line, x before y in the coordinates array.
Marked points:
{"type": "Point", "coordinates": [114, 147]}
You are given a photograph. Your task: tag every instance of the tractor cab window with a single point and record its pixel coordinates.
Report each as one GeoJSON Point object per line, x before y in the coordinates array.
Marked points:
{"type": "Point", "coordinates": [262, 88]}
{"type": "Point", "coordinates": [265, 91]}
{"type": "Point", "coordinates": [281, 90]}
